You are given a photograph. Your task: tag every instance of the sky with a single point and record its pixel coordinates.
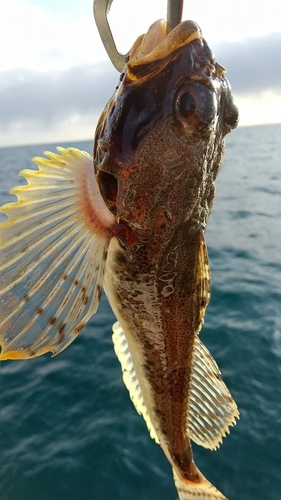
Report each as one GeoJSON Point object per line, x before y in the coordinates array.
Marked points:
{"type": "Point", "coordinates": [55, 76]}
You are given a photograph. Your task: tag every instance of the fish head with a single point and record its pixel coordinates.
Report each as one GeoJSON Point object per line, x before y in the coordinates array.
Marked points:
{"type": "Point", "coordinates": [160, 140]}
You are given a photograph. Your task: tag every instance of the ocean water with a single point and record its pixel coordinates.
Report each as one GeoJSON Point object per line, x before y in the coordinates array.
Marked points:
{"type": "Point", "coordinates": [68, 428]}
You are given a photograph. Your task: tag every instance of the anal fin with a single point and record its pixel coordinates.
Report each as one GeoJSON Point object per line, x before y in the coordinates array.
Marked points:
{"type": "Point", "coordinates": [130, 377]}
{"type": "Point", "coordinates": [211, 408]}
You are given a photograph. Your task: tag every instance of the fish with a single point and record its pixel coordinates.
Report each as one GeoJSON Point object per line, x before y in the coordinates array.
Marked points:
{"type": "Point", "coordinates": [131, 220]}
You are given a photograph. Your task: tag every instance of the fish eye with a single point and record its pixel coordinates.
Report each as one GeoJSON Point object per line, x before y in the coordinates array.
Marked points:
{"type": "Point", "coordinates": [195, 108]}
{"type": "Point", "coordinates": [186, 105]}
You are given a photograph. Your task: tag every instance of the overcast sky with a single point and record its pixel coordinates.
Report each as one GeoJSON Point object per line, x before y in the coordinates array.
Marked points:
{"type": "Point", "coordinates": [56, 77]}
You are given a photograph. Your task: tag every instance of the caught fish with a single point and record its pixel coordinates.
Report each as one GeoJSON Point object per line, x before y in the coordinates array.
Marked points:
{"type": "Point", "coordinates": [132, 221]}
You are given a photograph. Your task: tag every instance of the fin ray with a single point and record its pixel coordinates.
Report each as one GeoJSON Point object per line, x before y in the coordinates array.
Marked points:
{"type": "Point", "coordinates": [211, 408]}
{"type": "Point", "coordinates": [202, 283]}
{"type": "Point", "coordinates": [130, 377]}
{"type": "Point", "coordinates": [52, 255]}
{"type": "Point", "coordinates": [203, 490]}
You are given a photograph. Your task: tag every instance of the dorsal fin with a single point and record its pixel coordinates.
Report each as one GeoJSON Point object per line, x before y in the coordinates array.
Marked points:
{"type": "Point", "coordinates": [202, 288]}
{"type": "Point", "coordinates": [211, 409]}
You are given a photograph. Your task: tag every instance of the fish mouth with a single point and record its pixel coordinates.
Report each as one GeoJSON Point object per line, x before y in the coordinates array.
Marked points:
{"type": "Point", "coordinates": [157, 44]}
{"type": "Point", "coordinates": [108, 185]}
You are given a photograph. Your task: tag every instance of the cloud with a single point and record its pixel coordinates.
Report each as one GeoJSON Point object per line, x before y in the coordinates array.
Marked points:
{"type": "Point", "coordinates": [253, 65]}
{"type": "Point", "coordinates": [45, 37]}
{"type": "Point", "coordinates": [48, 98]}
{"type": "Point", "coordinates": [56, 106]}
{"type": "Point", "coordinates": [254, 71]}
{"type": "Point", "coordinates": [42, 106]}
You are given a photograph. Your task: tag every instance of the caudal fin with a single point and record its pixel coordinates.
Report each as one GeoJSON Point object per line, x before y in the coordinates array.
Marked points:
{"type": "Point", "coordinates": [203, 490]}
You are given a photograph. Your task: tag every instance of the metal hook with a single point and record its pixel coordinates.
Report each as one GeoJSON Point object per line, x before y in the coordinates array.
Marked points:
{"type": "Point", "coordinates": [101, 9]}
{"type": "Point", "coordinates": [174, 13]}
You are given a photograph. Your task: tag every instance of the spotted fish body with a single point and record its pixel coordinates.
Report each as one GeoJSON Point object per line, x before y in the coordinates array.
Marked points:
{"type": "Point", "coordinates": [161, 144]}
{"type": "Point", "coordinates": [135, 225]}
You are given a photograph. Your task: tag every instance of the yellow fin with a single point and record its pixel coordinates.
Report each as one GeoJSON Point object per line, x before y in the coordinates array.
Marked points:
{"type": "Point", "coordinates": [129, 376]}
{"type": "Point", "coordinates": [52, 255]}
{"type": "Point", "coordinates": [211, 409]}
{"type": "Point", "coordinates": [202, 291]}
{"type": "Point", "coordinates": [202, 490]}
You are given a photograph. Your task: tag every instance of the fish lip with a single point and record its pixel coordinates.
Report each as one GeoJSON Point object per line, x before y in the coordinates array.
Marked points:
{"type": "Point", "coordinates": [183, 34]}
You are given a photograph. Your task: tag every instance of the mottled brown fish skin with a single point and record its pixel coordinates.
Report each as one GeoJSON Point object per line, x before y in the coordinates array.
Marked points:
{"type": "Point", "coordinates": [156, 295]}
{"type": "Point", "coordinates": [158, 149]}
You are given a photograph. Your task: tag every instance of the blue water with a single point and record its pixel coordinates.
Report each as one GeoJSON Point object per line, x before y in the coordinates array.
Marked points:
{"type": "Point", "coordinates": [68, 428]}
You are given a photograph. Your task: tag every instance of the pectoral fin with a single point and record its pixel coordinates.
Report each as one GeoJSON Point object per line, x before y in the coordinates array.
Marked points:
{"type": "Point", "coordinates": [52, 255]}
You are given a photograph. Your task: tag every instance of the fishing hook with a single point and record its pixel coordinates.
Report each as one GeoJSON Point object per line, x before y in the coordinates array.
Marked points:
{"type": "Point", "coordinates": [101, 9]}
{"type": "Point", "coordinates": [174, 13]}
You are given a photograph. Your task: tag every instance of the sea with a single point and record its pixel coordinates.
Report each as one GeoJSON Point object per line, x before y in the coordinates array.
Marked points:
{"type": "Point", "coordinates": [69, 430]}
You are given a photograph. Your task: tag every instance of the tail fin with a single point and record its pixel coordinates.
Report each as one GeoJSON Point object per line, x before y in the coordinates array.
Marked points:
{"type": "Point", "coordinates": [203, 490]}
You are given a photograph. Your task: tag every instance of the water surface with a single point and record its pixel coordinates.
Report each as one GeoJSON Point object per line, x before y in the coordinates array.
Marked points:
{"type": "Point", "coordinates": [68, 428]}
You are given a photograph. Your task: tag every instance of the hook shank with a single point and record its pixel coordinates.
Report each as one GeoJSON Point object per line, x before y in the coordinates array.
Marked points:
{"type": "Point", "coordinates": [101, 9]}
{"type": "Point", "coordinates": [174, 13]}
